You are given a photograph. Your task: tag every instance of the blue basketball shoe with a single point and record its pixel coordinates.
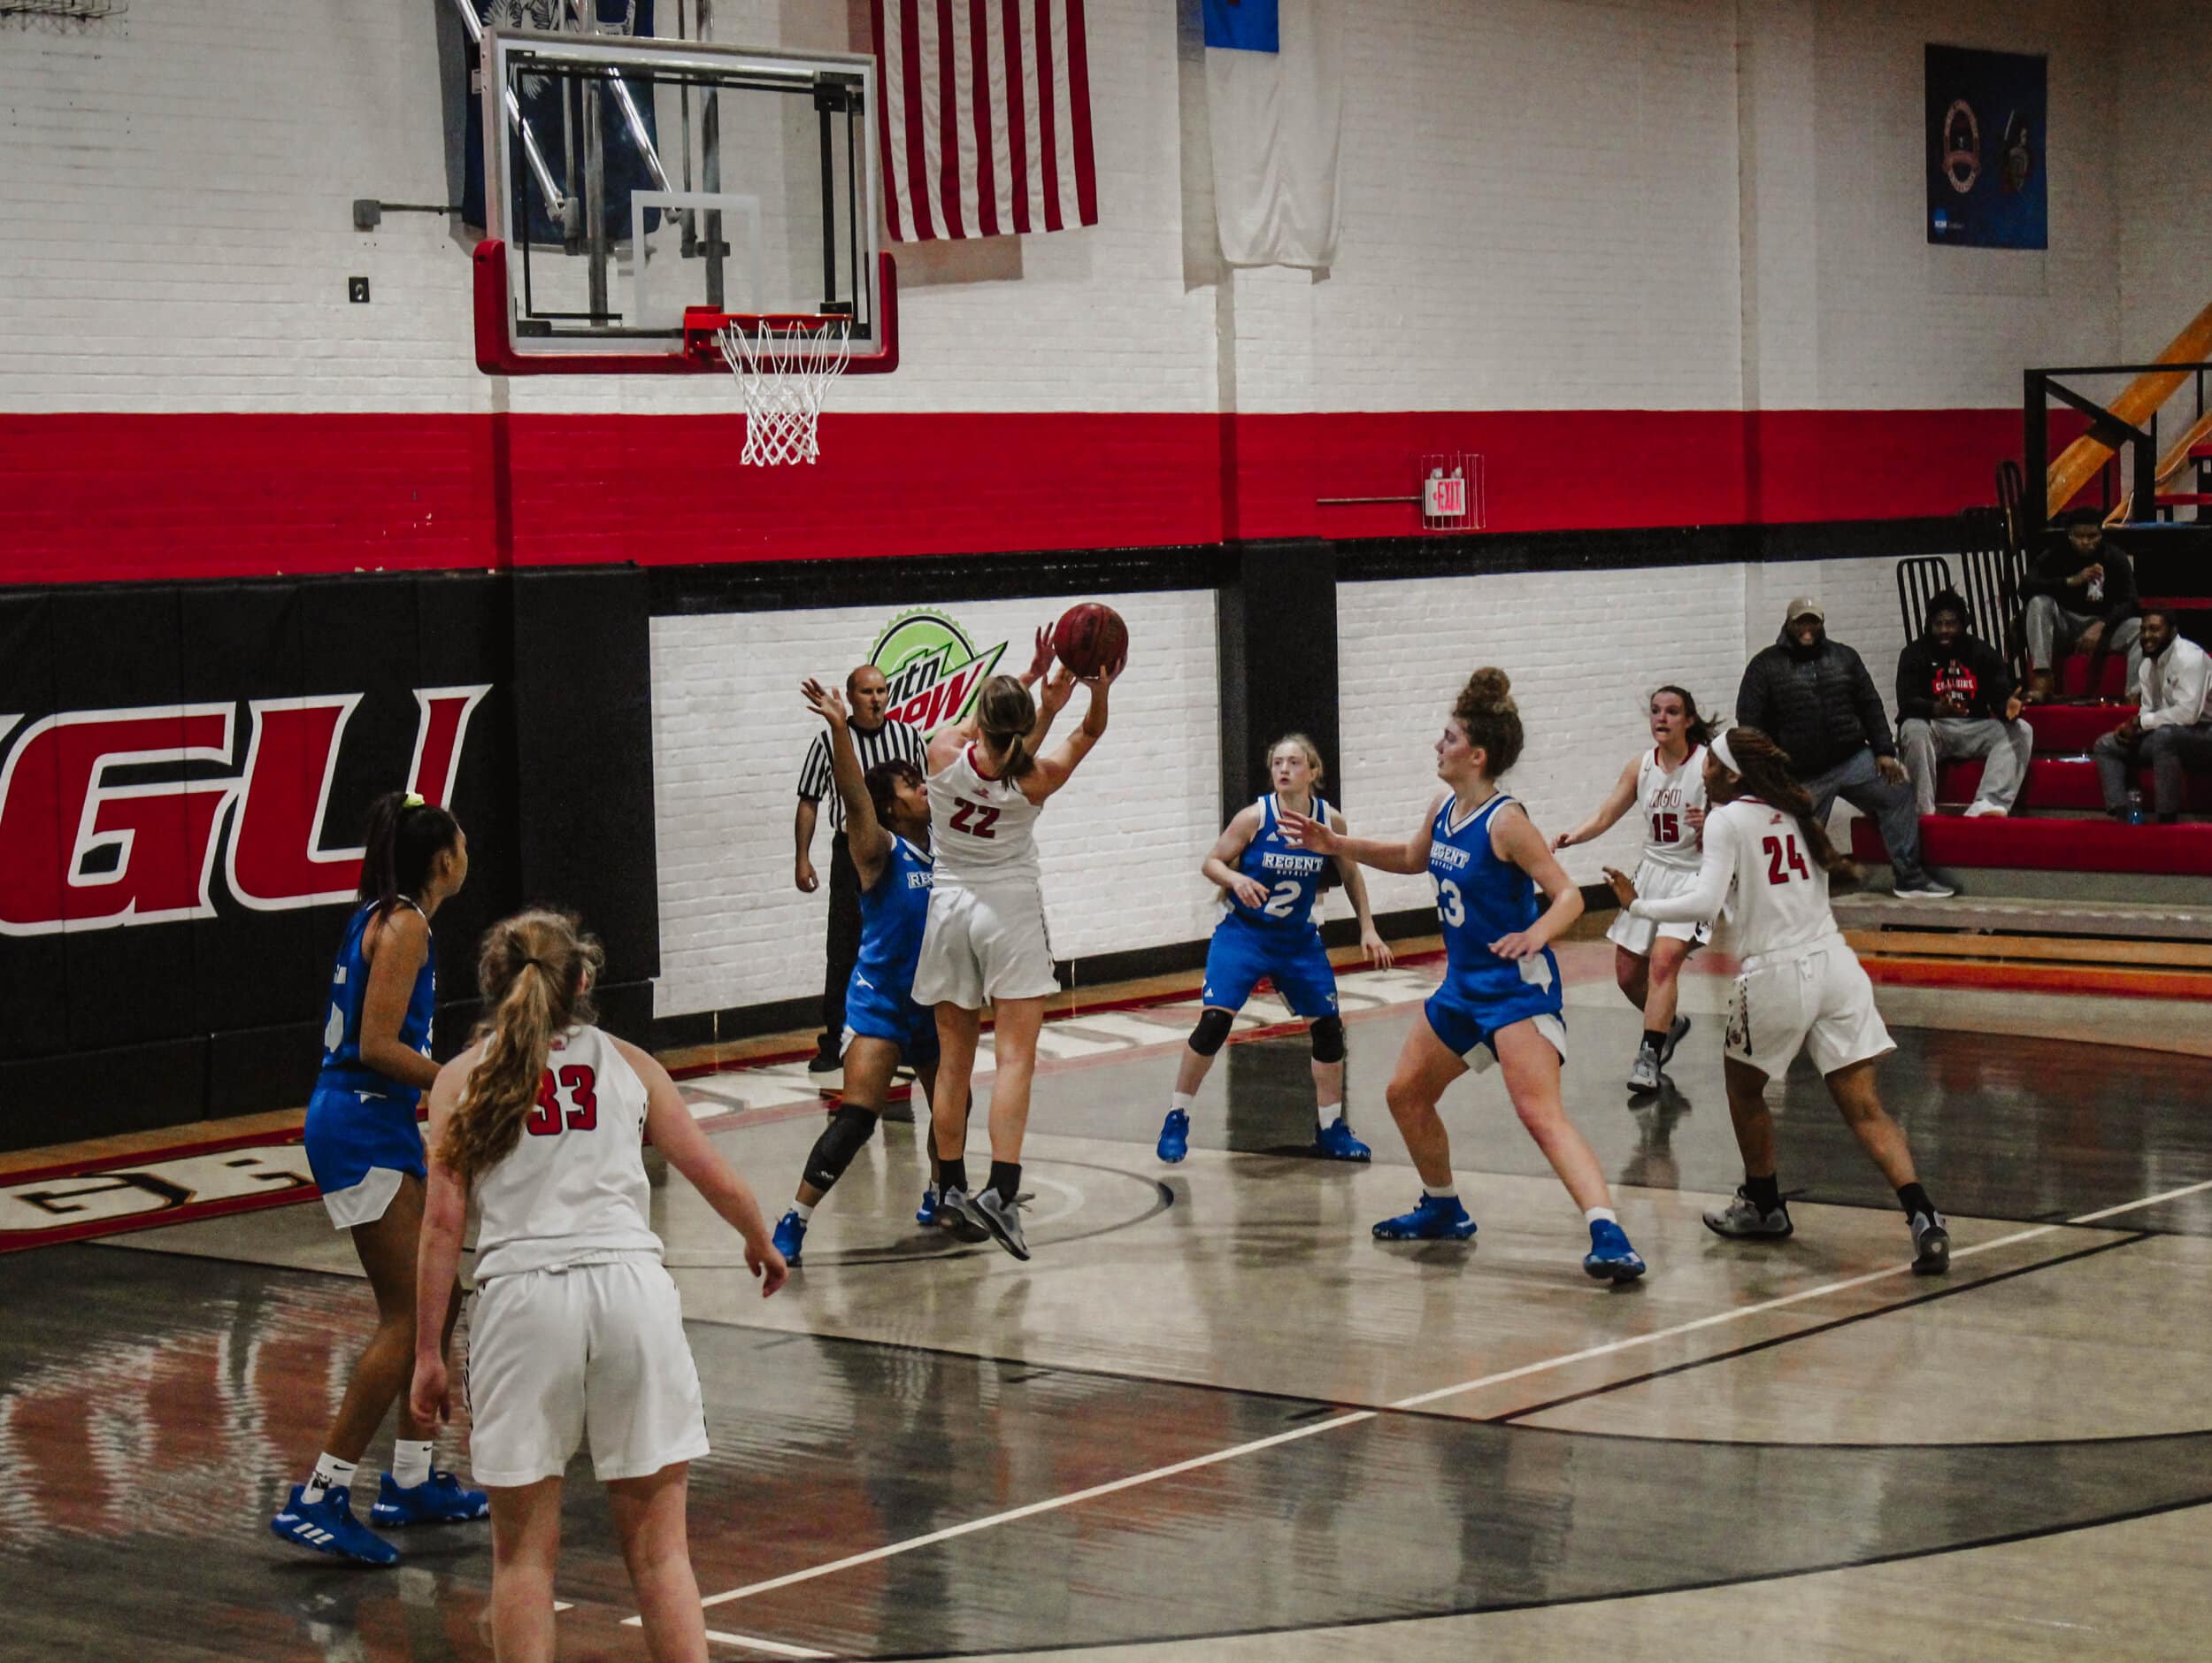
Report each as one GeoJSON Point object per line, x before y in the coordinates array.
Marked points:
{"type": "Point", "coordinates": [329, 1527]}
{"type": "Point", "coordinates": [790, 1236]}
{"type": "Point", "coordinates": [1175, 1137]}
{"type": "Point", "coordinates": [926, 1213]}
{"type": "Point", "coordinates": [438, 1499]}
{"type": "Point", "coordinates": [1335, 1141]}
{"type": "Point", "coordinates": [1433, 1218]}
{"type": "Point", "coordinates": [1610, 1258]}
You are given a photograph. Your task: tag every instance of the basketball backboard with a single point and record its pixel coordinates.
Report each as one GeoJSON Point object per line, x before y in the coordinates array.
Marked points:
{"type": "Point", "coordinates": [639, 192]}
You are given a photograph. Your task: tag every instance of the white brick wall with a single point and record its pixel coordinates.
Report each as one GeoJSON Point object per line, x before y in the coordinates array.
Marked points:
{"type": "Point", "coordinates": [1549, 203]}
{"type": "Point", "coordinates": [1120, 844]}
{"type": "Point", "coordinates": [1584, 649]}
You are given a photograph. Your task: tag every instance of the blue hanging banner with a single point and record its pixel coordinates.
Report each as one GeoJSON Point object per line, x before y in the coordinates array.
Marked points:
{"type": "Point", "coordinates": [1988, 146]}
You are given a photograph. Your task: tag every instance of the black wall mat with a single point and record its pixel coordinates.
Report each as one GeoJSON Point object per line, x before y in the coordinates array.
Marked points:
{"type": "Point", "coordinates": [1278, 668]}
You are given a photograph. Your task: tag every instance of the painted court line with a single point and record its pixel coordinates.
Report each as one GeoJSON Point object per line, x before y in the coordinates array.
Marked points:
{"type": "Point", "coordinates": [752, 1642]}
{"type": "Point", "coordinates": [1354, 1417]}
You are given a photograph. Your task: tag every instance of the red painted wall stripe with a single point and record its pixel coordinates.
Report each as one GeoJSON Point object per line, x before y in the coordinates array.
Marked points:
{"type": "Point", "coordinates": [158, 496]}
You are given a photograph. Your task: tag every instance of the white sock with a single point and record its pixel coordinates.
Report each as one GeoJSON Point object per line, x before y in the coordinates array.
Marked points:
{"type": "Point", "coordinates": [1600, 1215]}
{"type": "Point", "coordinates": [1329, 1112]}
{"type": "Point", "coordinates": [1442, 1192]}
{"type": "Point", "coordinates": [330, 1474]}
{"type": "Point", "coordinates": [410, 1462]}
{"type": "Point", "coordinates": [1181, 1100]}
{"type": "Point", "coordinates": [803, 1210]}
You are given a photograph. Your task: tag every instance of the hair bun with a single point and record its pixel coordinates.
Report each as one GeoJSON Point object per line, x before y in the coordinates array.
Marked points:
{"type": "Point", "coordinates": [1490, 689]}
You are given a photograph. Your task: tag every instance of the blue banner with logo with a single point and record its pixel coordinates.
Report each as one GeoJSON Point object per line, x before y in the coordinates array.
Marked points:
{"type": "Point", "coordinates": [1987, 144]}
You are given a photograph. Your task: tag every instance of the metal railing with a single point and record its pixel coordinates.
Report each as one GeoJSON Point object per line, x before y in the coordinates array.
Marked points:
{"type": "Point", "coordinates": [2041, 386]}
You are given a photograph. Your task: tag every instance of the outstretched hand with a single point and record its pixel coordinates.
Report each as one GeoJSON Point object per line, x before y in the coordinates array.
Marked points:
{"type": "Point", "coordinates": [1041, 659]}
{"type": "Point", "coordinates": [1623, 887]}
{"type": "Point", "coordinates": [1378, 950]}
{"type": "Point", "coordinates": [825, 702]}
{"type": "Point", "coordinates": [768, 1266]}
{"type": "Point", "coordinates": [1058, 688]}
{"type": "Point", "coordinates": [1106, 677]}
{"type": "Point", "coordinates": [1301, 832]}
{"type": "Point", "coordinates": [1565, 840]}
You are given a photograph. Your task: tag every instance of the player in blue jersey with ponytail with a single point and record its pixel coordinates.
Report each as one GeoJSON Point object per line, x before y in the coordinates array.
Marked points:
{"type": "Point", "coordinates": [366, 1153]}
{"type": "Point", "coordinates": [1501, 992]}
{"type": "Point", "coordinates": [1269, 888]}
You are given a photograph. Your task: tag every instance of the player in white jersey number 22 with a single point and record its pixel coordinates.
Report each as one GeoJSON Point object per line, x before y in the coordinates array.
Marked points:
{"type": "Point", "coordinates": [1801, 987]}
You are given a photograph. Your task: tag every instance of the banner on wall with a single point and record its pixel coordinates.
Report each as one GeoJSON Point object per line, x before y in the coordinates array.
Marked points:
{"type": "Point", "coordinates": [1986, 149]}
{"type": "Point", "coordinates": [1275, 105]}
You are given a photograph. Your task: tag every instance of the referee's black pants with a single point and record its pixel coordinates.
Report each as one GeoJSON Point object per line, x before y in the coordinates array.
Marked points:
{"type": "Point", "coordinates": [843, 943]}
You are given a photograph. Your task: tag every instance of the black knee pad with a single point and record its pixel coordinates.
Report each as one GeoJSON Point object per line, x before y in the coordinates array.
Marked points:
{"type": "Point", "coordinates": [1328, 1039]}
{"type": "Point", "coordinates": [1212, 1033]}
{"type": "Point", "coordinates": [846, 1135]}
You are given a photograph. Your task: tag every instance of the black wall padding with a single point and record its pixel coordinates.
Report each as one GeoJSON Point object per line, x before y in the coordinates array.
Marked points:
{"type": "Point", "coordinates": [1278, 645]}
{"type": "Point", "coordinates": [123, 1022]}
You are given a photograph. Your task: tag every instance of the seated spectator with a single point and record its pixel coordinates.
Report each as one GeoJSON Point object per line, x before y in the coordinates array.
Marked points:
{"type": "Point", "coordinates": [1812, 696]}
{"type": "Point", "coordinates": [2081, 598]}
{"type": "Point", "coordinates": [2171, 731]}
{"type": "Point", "coordinates": [1955, 698]}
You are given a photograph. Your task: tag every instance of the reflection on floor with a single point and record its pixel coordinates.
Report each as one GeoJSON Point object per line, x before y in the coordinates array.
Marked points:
{"type": "Point", "coordinates": [1212, 1407]}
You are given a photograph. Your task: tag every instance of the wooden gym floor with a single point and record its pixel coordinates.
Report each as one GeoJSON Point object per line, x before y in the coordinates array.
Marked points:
{"type": "Point", "coordinates": [1212, 1418]}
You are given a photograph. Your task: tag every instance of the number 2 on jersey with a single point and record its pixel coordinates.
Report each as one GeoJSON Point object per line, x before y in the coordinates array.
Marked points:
{"type": "Point", "coordinates": [1783, 851]}
{"type": "Point", "coordinates": [1284, 901]}
{"type": "Point", "coordinates": [983, 815]}
{"type": "Point", "coordinates": [547, 1119]}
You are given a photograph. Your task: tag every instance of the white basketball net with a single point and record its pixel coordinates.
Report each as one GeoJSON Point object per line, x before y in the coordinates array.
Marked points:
{"type": "Point", "coordinates": [786, 370]}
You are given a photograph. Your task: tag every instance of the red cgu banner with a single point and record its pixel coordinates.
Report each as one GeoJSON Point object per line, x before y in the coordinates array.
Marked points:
{"type": "Point", "coordinates": [88, 841]}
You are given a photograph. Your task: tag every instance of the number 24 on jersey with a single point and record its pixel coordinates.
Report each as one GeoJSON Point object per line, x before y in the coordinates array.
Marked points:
{"type": "Point", "coordinates": [1782, 852]}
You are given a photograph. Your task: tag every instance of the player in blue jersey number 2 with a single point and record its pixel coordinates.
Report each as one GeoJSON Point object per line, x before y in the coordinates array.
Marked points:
{"type": "Point", "coordinates": [1500, 990]}
{"type": "Point", "coordinates": [1269, 888]}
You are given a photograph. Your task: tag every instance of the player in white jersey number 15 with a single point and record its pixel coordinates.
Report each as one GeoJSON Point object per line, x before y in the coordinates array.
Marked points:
{"type": "Point", "coordinates": [1667, 783]}
{"type": "Point", "coordinates": [1768, 860]}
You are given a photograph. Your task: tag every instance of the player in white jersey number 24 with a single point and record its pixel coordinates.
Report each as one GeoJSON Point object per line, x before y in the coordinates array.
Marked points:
{"type": "Point", "coordinates": [1768, 862]}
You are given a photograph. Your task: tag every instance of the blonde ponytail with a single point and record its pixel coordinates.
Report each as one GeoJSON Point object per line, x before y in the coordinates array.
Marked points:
{"type": "Point", "coordinates": [1004, 714]}
{"type": "Point", "coordinates": [535, 970]}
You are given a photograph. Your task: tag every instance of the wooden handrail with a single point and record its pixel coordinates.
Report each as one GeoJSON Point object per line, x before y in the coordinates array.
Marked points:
{"type": "Point", "coordinates": [2081, 461]}
{"type": "Point", "coordinates": [2177, 457]}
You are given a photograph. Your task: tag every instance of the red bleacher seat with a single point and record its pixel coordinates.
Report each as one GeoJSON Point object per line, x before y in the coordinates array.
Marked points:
{"type": "Point", "coordinates": [2068, 730]}
{"type": "Point", "coordinates": [2056, 782]}
{"type": "Point", "coordinates": [2050, 845]}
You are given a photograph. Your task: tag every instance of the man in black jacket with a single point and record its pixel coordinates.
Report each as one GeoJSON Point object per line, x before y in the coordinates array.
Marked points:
{"type": "Point", "coordinates": [1955, 698]}
{"type": "Point", "coordinates": [2081, 598]}
{"type": "Point", "coordinates": [1812, 697]}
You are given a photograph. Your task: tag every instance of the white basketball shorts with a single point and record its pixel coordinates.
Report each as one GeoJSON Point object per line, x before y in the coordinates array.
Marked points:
{"type": "Point", "coordinates": [1639, 935]}
{"type": "Point", "coordinates": [984, 945]}
{"type": "Point", "coordinates": [1820, 1001]}
{"type": "Point", "coordinates": [597, 1348]}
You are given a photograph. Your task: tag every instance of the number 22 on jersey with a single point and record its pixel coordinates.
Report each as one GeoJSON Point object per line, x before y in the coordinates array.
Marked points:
{"type": "Point", "coordinates": [975, 819]}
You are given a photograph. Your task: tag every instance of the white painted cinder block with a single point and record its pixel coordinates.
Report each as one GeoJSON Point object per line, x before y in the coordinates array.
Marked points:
{"type": "Point", "coordinates": [1584, 649]}
{"type": "Point", "coordinates": [1121, 844]}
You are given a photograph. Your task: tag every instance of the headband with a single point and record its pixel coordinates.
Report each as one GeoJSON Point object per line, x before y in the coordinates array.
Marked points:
{"type": "Point", "coordinates": [1719, 747]}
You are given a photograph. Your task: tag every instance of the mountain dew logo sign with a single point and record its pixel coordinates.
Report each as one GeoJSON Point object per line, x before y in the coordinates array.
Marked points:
{"type": "Point", "coordinates": [934, 669]}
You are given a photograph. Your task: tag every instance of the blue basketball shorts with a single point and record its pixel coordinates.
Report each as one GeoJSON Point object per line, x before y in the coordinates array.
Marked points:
{"type": "Point", "coordinates": [1465, 1016]}
{"type": "Point", "coordinates": [1297, 964]}
{"type": "Point", "coordinates": [359, 1146]}
{"type": "Point", "coordinates": [873, 1011]}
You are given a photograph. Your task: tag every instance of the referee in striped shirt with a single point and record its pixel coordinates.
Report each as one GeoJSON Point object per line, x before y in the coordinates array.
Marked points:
{"type": "Point", "coordinates": [879, 739]}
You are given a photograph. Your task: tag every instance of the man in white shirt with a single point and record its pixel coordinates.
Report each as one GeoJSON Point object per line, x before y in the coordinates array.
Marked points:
{"type": "Point", "coordinates": [2171, 731]}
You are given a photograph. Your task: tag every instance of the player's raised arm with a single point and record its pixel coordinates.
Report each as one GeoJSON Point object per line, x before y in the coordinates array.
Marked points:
{"type": "Point", "coordinates": [1371, 941]}
{"type": "Point", "coordinates": [866, 840]}
{"type": "Point", "coordinates": [1617, 804]}
{"type": "Point", "coordinates": [1055, 768]}
{"type": "Point", "coordinates": [1409, 857]}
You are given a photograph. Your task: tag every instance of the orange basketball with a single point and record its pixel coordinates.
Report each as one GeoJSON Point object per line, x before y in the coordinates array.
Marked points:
{"type": "Point", "coordinates": [1090, 638]}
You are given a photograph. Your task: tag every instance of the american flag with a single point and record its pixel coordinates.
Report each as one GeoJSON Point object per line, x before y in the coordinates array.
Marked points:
{"type": "Point", "coordinates": [986, 117]}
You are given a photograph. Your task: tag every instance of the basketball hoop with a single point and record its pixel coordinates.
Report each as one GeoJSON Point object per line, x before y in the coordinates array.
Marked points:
{"type": "Point", "coordinates": [785, 364]}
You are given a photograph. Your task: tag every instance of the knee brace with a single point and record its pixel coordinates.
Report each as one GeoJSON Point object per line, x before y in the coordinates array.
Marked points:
{"type": "Point", "coordinates": [1212, 1033]}
{"type": "Point", "coordinates": [846, 1135]}
{"type": "Point", "coordinates": [1327, 1034]}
